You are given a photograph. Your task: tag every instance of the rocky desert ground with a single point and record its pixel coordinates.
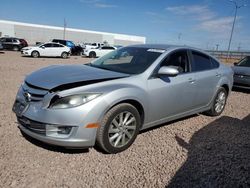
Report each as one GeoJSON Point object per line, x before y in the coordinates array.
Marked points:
{"type": "Point", "coordinates": [198, 151]}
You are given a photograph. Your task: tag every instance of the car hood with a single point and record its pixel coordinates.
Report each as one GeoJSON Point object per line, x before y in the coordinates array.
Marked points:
{"type": "Point", "coordinates": [60, 77]}
{"type": "Point", "coordinates": [29, 47]}
{"type": "Point", "coordinates": [241, 70]}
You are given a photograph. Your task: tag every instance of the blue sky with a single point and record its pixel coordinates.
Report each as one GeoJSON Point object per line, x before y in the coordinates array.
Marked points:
{"type": "Point", "coordinates": [202, 23]}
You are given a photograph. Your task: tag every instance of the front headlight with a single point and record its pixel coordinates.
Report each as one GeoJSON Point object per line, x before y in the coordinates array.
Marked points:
{"type": "Point", "coordinates": [72, 101]}
{"type": "Point", "coordinates": [26, 49]}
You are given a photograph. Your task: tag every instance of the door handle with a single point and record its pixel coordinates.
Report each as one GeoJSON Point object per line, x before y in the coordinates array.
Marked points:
{"type": "Point", "coordinates": [218, 74]}
{"type": "Point", "coordinates": [191, 80]}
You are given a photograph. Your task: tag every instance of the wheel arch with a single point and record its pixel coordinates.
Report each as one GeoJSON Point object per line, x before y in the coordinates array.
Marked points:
{"type": "Point", "coordinates": [226, 87]}
{"type": "Point", "coordinates": [36, 51]}
{"type": "Point", "coordinates": [134, 103]}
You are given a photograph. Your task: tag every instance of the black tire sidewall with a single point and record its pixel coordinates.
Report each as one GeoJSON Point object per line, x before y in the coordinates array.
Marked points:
{"type": "Point", "coordinates": [104, 139]}
{"type": "Point", "coordinates": [92, 54]}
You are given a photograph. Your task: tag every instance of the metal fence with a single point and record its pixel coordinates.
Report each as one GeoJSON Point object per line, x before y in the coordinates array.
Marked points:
{"type": "Point", "coordinates": [232, 54]}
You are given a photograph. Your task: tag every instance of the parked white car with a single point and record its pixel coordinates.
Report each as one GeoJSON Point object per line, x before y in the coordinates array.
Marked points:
{"type": "Point", "coordinates": [93, 45]}
{"type": "Point", "coordinates": [98, 52]}
{"type": "Point", "coordinates": [50, 49]}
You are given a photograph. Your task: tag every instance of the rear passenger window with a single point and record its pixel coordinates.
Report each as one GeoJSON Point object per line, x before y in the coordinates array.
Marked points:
{"type": "Point", "coordinates": [200, 62]}
{"type": "Point", "coordinates": [56, 45]}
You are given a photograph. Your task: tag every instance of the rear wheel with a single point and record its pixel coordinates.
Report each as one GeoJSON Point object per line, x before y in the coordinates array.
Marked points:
{"type": "Point", "coordinates": [92, 55]}
{"type": "Point", "coordinates": [119, 128]}
{"type": "Point", "coordinates": [15, 48]}
{"type": "Point", "coordinates": [219, 102]}
{"type": "Point", "coordinates": [35, 54]}
{"type": "Point", "coordinates": [64, 55]}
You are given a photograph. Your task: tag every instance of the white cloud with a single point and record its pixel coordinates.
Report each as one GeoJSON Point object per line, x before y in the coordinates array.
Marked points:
{"type": "Point", "coordinates": [156, 18]}
{"type": "Point", "coordinates": [98, 4]}
{"type": "Point", "coordinates": [104, 5]}
{"type": "Point", "coordinates": [199, 12]}
{"type": "Point", "coordinates": [219, 25]}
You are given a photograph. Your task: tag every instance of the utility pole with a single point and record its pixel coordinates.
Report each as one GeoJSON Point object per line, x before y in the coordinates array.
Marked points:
{"type": "Point", "coordinates": [239, 47]}
{"type": "Point", "coordinates": [179, 37]}
{"type": "Point", "coordinates": [235, 14]}
{"type": "Point", "coordinates": [217, 47]}
{"type": "Point", "coordinates": [64, 28]}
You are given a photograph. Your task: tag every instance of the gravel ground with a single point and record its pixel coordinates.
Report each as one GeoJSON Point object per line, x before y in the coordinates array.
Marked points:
{"type": "Point", "coordinates": [198, 151]}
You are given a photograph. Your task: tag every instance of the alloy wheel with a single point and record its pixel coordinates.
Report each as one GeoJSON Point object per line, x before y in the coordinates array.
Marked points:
{"type": "Point", "coordinates": [122, 129]}
{"type": "Point", "coordinates": [220, 101]}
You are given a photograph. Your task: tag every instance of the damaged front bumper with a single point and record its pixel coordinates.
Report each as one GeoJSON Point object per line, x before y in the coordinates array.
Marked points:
{"type": "Point", "coordinates": [61, 127]}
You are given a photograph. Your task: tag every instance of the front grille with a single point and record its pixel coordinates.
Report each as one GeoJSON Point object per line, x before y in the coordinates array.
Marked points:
{"type": "Point", "coordinates": [35, 94]}
{"type": "Point", "coordinates": [33, 126]}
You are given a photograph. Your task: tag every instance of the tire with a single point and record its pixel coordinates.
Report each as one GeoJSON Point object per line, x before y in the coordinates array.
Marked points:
{"type": "Point", "coordinates": [35, 54]}
{"type": "Point", "coordinates": [113, 127]}
{"type": "Point", "coordinates": [64, 55]}
{"type": "Point", "coordinates": [15, 48]}
{"type": "Point", "coordinates": [219, 103]}
{"type": "Point", "coordinates": [92, 55]}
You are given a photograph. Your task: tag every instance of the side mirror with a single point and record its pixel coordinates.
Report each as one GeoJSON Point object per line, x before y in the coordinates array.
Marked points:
{"type": "Point", "coordinates": [43, 47]}
{"type": "Point", "coordinates": [235, 63]}
{"type": "Point", "coordinates": [168, 71]}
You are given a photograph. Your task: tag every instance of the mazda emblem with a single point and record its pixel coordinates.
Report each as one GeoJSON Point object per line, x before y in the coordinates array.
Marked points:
{"type": "Point", "coordinates": [27, 96]}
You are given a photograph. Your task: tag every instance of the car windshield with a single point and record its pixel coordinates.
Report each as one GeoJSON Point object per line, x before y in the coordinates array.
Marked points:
{"type": "Point", "coordinates": [130, 60]}
{"type": "Point", "coordinates": [244, 62]}
{"type": "Point", "coordinates": [70, 44]}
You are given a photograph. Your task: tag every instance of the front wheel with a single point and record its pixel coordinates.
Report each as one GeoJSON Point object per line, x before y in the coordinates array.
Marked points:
{"type": "Point", "coordinates": [35, 54]}
{"type": "Point", "coordinates": [119, 128]}
{"type": "Point", "coordinates": [219, 103]}
{"type": "Point", "coordinates": [15, 48]}
{"type": "Point", "coordinates": [64, 55]}
{"type": "Point", "coordinates": [92, 55]}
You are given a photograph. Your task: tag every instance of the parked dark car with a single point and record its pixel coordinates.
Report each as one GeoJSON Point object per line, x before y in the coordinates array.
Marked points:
{"type": "Point", "coordinates": [75, 50]}
{"type": "Point", "coordinates": [242, 73]}
{"type": "Point", "coordinates": [1, 46]}
{"type": "Point", "coordinates": [11, 43]}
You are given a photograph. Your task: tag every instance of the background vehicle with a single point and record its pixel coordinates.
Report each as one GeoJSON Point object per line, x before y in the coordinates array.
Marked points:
{"type": "Point", "coordinates": [75, 50]}
{"type": "Point", "coordinates": [98, 52]}
{"type": "Point", "coordinates": [93, 45]}
{"type": "Point", "coordinates": [242, 73]}
{"type": "Point", "coordinates": [11, 43]}
{"type": "Point", "coordinates": [1, 46]}
{"type": "Point", "coordinates": [109, 100]}
{"type": "Point", "coordinates": [50, 49]}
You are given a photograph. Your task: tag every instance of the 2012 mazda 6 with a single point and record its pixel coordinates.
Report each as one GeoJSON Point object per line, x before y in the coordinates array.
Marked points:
{"type": "Point", "coordinates": [108, 101]}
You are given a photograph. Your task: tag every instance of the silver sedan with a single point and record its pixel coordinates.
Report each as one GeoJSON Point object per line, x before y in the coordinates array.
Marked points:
{"type": "Point", "coordinates": [108, 101]}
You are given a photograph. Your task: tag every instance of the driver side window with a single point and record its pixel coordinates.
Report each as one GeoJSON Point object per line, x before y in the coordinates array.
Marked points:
{"type": "Point", "coordinates": [179, 60]}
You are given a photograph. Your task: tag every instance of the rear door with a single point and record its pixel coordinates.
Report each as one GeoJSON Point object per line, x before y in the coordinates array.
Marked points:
{"type": "Point", "coordinates": [105, 49]}
{"type": "Point", "coordinates": [8, 44]}
{"type": "Point", "coordinates": [207, 77]}
{"type": "Point", "coordinates": [56, 49]}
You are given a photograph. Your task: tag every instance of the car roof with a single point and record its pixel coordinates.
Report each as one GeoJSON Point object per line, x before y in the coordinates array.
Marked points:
{"type": "Point", "coordinates": [159, 46]}
{"type": "Point", "coordinates": [52, 43]}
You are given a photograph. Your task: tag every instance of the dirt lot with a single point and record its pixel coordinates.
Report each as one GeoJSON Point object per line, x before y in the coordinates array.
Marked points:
{"type": "Point", "coordinates": [198, 151]}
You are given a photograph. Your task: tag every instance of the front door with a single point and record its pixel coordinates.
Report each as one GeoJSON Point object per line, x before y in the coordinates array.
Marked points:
{"type": "Point", "coordinates": [170, 96]}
